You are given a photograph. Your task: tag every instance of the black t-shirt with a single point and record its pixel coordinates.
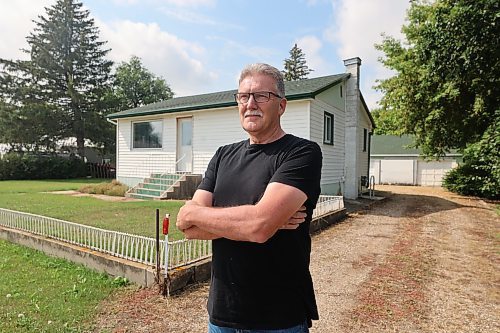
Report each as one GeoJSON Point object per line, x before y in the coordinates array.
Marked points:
{"type": "Point", "coordinates": [263, 286]}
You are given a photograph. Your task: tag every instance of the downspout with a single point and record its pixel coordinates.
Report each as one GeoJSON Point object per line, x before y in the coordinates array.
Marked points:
{"type": "Point", "coordinates": [369, 146]}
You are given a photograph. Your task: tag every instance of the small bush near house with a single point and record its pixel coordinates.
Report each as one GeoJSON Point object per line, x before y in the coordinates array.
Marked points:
{"type": "Point", "coordinates": [29, 166]}
{"type": "Point", "coordinates": [479, 174]}
{"type": "Point", "coordinates": [115, 188]}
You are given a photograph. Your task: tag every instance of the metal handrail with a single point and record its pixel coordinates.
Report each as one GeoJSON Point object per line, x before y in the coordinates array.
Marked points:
{"type": "Point", "coordinates": [371, 186]}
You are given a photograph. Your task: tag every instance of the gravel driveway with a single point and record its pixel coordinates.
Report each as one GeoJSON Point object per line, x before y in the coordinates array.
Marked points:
{"type": "Point", "coordinates": [423, 260]}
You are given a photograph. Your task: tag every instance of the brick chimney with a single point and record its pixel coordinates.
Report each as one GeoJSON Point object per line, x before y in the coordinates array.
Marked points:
{"type": "Point", "coordinates": [352, 136]}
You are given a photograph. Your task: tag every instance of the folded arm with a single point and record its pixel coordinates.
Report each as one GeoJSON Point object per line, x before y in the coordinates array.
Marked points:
{"type": "Point", "coordinates": [201, 198]}
{"type": "Point", "coordinates": [255, 223]}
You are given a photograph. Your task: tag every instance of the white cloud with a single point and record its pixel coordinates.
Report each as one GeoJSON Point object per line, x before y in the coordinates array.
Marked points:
{"type": "Point", "coordinates": [232, 47]}
{"type": "Point", "coordinates": [197, 18]}
{"type": "Point", "coordinates": [166, 55]}
{"type": "Point", "coordinates": [312, 45]}
{"type": "Point", "coordinates": [312, 3]}
{"type": "Point", "coordinates": [177, 3]}
{"type": "Point", "coordinates": [190, 3]}
{"type": "Point", "coordinates": [358, 26]}
{"type": "Point", "coordinates": [125, 2]}
{"type": "Point", "coordinates": [16, 24]}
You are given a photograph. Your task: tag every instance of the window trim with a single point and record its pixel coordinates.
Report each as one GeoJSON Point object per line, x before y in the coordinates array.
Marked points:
{"type": "Point", "coordinates": [147, 121]}
{"type": "Point", "coordinates": [327, 116]}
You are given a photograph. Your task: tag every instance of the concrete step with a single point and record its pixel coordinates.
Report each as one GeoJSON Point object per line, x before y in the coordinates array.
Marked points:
{"type": "Point", "coordinates": [151, 186]}
{"type": "Point", "coordinates": [165, 176]}
{"type": "Point", "coordinates": [160, 181]}
{"type": "Point", "coordinates": [142, 196]}
{"type": "Point", "coordinates": [146, 191]}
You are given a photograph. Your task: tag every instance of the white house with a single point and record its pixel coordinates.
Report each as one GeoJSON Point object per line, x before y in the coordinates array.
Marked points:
{"type": "Point", "coordinates": [393, 161]}
{"type": "Point", "coordinates": [183, 133]}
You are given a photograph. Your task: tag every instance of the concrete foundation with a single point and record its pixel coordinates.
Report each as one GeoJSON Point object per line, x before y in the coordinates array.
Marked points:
{"type": "Point", "coordinates": [137, 273]}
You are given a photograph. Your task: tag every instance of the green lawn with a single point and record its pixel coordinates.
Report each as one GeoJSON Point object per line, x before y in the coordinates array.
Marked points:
{"type": "Point", "coordinates": [136, 217]}
{"type": "Point", "coordinates": [44, 294]}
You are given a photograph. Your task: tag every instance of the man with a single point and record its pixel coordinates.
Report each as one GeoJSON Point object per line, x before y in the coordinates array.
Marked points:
{"type": "Point", "coordinates": [255, 202]}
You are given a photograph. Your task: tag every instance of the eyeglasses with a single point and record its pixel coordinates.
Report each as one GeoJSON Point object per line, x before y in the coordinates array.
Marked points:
{"type": "Point", "coordinates": [258, 97]}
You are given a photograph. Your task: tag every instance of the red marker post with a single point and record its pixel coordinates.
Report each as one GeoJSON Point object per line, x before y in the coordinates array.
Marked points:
{"type": "Point", "coordinates": [166, 222]}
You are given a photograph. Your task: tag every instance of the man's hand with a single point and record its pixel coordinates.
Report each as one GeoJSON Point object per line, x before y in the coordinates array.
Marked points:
{"type": "Point", "coordinates": [182, 217]}
{"type": "Point", "coordinates": [296, 219]}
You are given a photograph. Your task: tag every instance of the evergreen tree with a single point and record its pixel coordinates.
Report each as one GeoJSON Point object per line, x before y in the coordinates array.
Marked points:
{"type": "Point", "coordinates": [65, 80]}
{"type": "Point", "coordinates": [295, 66]}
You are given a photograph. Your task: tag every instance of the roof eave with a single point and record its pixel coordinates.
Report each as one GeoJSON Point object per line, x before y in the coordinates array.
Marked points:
{"type": "Point", "coordinates": [305, 95]}
{"type": "Point", "coordinates": [172, 110]}
{"type": "Point", "coordinates": [367, 110]}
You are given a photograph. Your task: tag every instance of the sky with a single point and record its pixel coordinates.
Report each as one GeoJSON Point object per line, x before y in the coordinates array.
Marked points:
{"type": "Point", "coordinates": [200, 46]}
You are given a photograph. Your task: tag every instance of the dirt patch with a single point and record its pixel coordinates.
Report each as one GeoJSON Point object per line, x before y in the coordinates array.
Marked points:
{"type": "Point", "coordinates": [424, 260]}
{"type": "Point", "coordinates": [97, 196]}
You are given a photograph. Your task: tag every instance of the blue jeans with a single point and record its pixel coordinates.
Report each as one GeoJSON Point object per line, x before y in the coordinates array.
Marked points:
{"type": "Point", "coordinates": [302, 328]}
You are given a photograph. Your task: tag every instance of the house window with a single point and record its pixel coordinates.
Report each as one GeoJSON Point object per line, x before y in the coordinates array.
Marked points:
{"type": "Point", "coordinates": [365, 139]}
{"type": "Point", "coordinates": [340, 91]}
{"type": "Point", "coordinates": [147, 134]}
{"type": "Point", "coordinates": [328, 128]}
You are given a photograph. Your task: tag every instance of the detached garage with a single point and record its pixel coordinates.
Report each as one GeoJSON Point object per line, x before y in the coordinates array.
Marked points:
{"type": "Point", "coordinates": [392, 162]}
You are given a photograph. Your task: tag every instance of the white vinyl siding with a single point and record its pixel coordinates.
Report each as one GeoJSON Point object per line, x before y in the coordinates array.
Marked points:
{"type": "Point", "coordinates": [212, 129]}
{"type": "Point", "coordinates": [138, 163]}
{"type": "Point", "coordinates": [295, 120]}
{"type": "Point", "coordinates": [215, 128]}
{"type": "Point", "coordinates": [364, 124]}
{"type": "Point", "coordinates": [333, 155]}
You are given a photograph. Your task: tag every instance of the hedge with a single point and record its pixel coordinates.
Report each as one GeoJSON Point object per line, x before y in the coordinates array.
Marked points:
{"type": "Point", "coordinates": [30, 166]}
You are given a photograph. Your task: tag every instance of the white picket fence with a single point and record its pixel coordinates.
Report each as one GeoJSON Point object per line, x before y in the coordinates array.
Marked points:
{"type": "Point", "coordinates": [327, 204]}
{"type": "Point", "coordinates": [131, 247]}
{"type": "Point", "coordinates": [119, 244]}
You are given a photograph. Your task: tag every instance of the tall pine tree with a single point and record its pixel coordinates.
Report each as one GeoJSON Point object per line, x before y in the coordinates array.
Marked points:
{"type": "Point", "coordinates": [65, 79]}
{"type": "Point", "coordinates": [295, 66]}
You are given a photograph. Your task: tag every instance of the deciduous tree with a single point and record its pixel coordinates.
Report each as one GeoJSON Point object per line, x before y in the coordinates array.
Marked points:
{"type": "Point", "coordinates": [386, 122]}
{"type": "Point", "coordinates": [135, 85]}
{"type": "Point", "coordinates": [446, 90]}
{"type": "Point", "coordinates": [447, 84]}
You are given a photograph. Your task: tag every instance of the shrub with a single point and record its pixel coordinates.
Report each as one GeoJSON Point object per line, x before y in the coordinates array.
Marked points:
{"type": "Point", "coordinates": [102, 188]}
{"type": "Point", "coordinates": [479, 174]}
{"type": "Point", "coordinates": [115, 188]}
{"type": "Point", "coordinates": [89, 189]}
{"type": "Point", "coordinates": [117, 191]}
{"type": "Point", "coordinates": [30, 166]}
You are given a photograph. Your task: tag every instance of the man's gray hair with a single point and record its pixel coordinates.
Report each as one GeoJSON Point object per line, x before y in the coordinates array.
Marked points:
{"type": "Point", "coordinates": [265, 69]}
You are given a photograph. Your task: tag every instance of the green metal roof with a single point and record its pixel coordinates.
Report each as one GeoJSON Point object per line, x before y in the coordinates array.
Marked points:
{"type": "Point", "coordinates": [307, 88]}
{"type": "Point", "coordinates": [396, 145]}
{"type": "Point", "coordinates": [392, 145]}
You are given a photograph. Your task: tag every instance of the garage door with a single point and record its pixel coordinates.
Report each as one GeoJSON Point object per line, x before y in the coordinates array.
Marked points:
{"type": "Point", "coordinates": [392, 171]}
{"type": "Point", "coordinates": [431, 173]}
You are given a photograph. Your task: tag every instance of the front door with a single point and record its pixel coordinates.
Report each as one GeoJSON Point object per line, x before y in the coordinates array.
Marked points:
{"type": "Point", "coordinates": [184, 160]}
